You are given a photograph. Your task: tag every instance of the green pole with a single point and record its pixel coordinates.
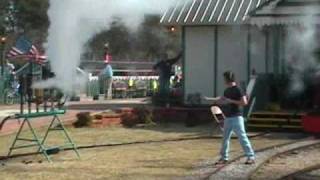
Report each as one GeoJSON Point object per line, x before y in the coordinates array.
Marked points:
{"type": "Point", "coordinates": [249, 54]}
{"type": "Point", "coordinates": [216, 38]}
{"type": "Point", "coordinates": [3, 40]}
{"type": "Point", "coordinates": [2, 83]}
{"type": "Point", "coordinates": [267, 51]}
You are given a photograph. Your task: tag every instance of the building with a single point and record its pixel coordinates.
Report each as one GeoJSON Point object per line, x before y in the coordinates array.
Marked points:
{"type": "Point", "coordinates": [236, 35]}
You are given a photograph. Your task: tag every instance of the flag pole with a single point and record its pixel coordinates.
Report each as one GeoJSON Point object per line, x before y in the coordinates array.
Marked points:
{"type": "Point", "coordinates": [29, 84]}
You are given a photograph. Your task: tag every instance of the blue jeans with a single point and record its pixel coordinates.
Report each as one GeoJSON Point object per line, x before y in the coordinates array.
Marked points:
{"type": "Point", "coordinates": [235, 124]}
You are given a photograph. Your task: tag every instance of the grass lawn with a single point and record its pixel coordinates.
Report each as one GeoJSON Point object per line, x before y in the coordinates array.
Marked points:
{"type": "Point", "coordinates": [165, 160]}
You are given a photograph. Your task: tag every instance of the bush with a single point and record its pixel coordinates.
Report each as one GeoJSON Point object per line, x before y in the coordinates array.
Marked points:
{"type": "Point", "coordinates": [129, 119]}
{"type": "Point", "coordinates": [144, 115]}
{"type": "Point", "coordinates": [83, 120]}
{"type": "Point", "coordinates": [98, 116]}
{"type": "Point", "coordinates": [138, 116]}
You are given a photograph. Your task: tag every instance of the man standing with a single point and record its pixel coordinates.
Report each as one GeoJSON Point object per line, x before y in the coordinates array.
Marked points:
{"type": "Point", "coordinates": [107, 73]}
{"type": "Point", "coordinates": [233, 99]}
{"type": "Point", "coordinates": [164, 68]}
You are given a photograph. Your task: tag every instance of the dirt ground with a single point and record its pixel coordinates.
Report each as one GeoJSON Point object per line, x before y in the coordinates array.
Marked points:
{"type": "Point", "coordinates": [162, 160]}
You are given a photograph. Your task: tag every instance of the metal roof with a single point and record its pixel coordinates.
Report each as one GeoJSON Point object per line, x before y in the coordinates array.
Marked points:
{"type": "Point", "coordinates": [210, 12]}
{"type": "Point", "coordinates": [286, 12]}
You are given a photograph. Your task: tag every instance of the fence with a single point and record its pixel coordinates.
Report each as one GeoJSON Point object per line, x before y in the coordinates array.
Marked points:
{"type": "Point", "coordinates": [125, 86]}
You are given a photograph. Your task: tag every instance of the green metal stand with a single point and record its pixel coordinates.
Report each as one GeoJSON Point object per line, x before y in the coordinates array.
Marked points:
{"type": "Point", "coordinates": [55, 125]}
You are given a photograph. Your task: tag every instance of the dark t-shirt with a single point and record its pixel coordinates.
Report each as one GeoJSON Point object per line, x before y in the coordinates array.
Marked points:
{"type": "Point", "coordinates": [164, 69]}
{"type": "Point", "coordinates": [233, 93]}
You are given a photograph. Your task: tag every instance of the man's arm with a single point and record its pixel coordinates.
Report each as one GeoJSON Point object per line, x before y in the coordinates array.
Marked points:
{"type": "Point", "coordinates": [156, 65]}
{"type": "Point", "coordinates": [242, 102]}
{"type": "Point", "coordinates": [215, 100]}
{"type": "Point", "coordinates": [176, 59]}
{"type": "Point", "coordinates": [212, 98]}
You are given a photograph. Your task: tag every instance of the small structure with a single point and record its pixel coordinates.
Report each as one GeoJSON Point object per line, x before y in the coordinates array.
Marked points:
{"type": "Point", "coordinates": [236, 35]}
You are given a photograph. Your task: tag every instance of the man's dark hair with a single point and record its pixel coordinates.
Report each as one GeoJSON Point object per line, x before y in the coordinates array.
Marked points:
{"type": "Point", "coordinates": [229, 76]}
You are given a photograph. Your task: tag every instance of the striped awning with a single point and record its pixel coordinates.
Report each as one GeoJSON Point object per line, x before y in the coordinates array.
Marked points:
{"type": "Point", "coordinates": [286, 12]}
{"type": "Point", "coordinates": [210, 12]}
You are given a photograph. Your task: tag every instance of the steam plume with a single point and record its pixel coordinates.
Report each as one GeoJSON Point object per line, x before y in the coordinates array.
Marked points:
{"type": "Point", "coordinates": [74, 22]}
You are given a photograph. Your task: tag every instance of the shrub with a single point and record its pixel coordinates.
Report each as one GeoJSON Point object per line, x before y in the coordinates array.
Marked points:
{"type": "Point", "coordinates": [144, 115]}
{"type": "Point", "coordinates": [98, 116]}
{"type": "Point", "coordinates": [138, 116]}
{"type": "Point", "coordinates": [83, 120]}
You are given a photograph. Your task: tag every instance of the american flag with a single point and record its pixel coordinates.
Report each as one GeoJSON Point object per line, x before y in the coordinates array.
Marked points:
{"type": "Point", "coordinates": [25, 49]}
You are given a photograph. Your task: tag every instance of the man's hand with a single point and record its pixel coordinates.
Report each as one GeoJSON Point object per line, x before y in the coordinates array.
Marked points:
{"type": "Point", "coordinates": [226, 100]}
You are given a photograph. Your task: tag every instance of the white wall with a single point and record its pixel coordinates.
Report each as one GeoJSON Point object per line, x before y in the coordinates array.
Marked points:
{"type": "Point", "coordinates": [258, 48]}
{"type": "Point", "coordinates": [199, 60]}
{"type": "Point", "coordinates": [232, 53]}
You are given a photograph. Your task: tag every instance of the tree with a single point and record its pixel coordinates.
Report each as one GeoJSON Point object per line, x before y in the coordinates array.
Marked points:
{"type": "Point", "coordinates": [154, 39]}
{"type": "Point", "coordinates": [7, 17]}
{"type": "Point", "coordinates": [119, 38]}
{"type": "Point", "coordinates": [32, 14]}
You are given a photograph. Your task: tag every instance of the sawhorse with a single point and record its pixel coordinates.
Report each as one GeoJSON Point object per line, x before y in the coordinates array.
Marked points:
{"type": "Point", "coordinates": [55, 125]}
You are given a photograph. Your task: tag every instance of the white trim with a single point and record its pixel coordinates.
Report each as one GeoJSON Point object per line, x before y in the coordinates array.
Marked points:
{"type": "Point", "coordinates": [247, 11]}
{"type": "Point", "coordinates": [236, 17]}
{"type": "Point", "coordinates": [258, 4]}
{"type": "Point", "coordinates": [205, 12]}
{"type": "Point", "coordinates": [222, 10]}
{"type": "Point", "coordinates": [174, 10]}
{"type": "Point", "coordinates": [182, 10]}
{"type": "Point", "coordinates": [195, 16]}
{"type": "Point", "coordinates": [186, 19]}
{"type": "Point", "coordinates": [214, 10]}
{"type": "Point", "coordinates": [164, 15]}
{"type": "Point", "coordinates": [232, 6]}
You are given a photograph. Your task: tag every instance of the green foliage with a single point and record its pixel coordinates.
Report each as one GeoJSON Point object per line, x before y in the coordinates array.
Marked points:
{"type": "Point", "coordinates": [147, 42]}
{"type": "Point", "coordinates": [6, 16]}
{"type": "Point", "coordinates": [119, 38]}
{"type": "Point", "coordinates": [32, 14]}
{"type": "Point", "coordinates": [153, 38]}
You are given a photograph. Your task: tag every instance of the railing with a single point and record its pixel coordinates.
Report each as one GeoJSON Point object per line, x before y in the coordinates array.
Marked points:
{"type": "Point", "coordinates": [9, 95]}
{"type": "Point", "coordinates": [128, 85]}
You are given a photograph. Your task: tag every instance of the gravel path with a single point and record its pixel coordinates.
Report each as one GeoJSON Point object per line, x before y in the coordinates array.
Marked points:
{"type": "Point", "coordinates": [289, 163]}
{"type": "Point", "coordinates": [238, 170]}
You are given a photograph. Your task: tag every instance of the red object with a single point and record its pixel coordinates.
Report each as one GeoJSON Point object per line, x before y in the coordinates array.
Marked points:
{"type": "Point", "coordinates": [311, 123]}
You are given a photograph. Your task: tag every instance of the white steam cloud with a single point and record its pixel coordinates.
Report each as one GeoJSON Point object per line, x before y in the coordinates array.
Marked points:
{"type": "Point", "coordinates": [302, 45]}
{"type": "Point", "coordinates": [74, 22]}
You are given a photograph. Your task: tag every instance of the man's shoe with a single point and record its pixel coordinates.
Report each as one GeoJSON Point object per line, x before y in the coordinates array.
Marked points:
{"type": "Point", "coordinates": [250, 161]}
{"type": "Point", "coordinates": [221, 162]}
